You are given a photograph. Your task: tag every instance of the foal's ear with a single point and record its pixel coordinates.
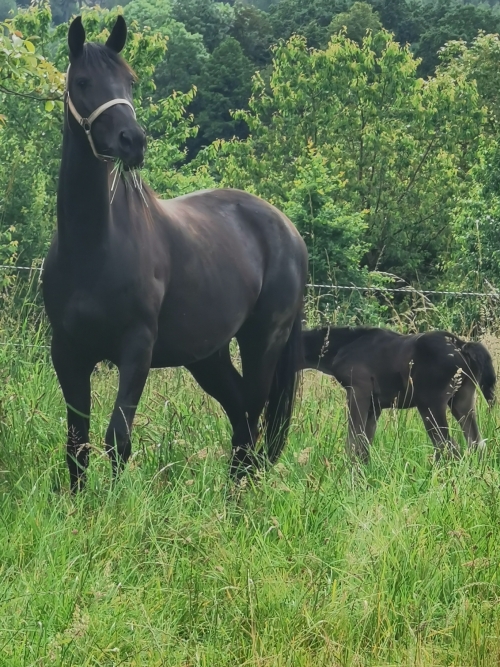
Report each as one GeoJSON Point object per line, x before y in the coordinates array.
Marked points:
{"type": "Point", "coordinates": [118, 37]}
{"type": "Point", "coordinates": [76, 38]}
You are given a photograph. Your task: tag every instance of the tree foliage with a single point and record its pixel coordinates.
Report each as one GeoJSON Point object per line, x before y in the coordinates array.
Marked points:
{"type": "Point", "coordinates": [223, 87]}
{"type": "Point", "coordinates": [475, 253]}
{"type": "Point", "coordinates": [33, 58]}
{"type": "Point", "coordinates": [384, 172]}
{"type": "Point", "coordinates": [395, 149]}
{"type": "Point", "coordinates": [359, 20]}
{"type": "Point", "coordinates": [212, 20]}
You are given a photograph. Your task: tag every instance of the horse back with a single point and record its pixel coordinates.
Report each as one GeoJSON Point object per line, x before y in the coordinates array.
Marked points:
{"type": "Point", "coordinates": [374, 362]}
{"type": "Point", "coordinates": [233, 256]}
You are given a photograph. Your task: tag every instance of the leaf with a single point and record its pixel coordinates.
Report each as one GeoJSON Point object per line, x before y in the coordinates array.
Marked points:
{"type": "Point", "coordinates": [49, 105]}
{"type": "Point", "coordinates": [29, 46]}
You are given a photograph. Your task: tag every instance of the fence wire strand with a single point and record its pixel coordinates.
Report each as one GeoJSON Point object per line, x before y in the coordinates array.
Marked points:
{"type": "Point", "coordinates": [352, 288]}
{"type": "Point", "coordinates": [318, 286]}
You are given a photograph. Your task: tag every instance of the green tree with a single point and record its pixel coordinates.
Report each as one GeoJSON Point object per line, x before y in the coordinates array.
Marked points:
{"type": "Point", "coordinates": [62, 10]}
{"type": "Point", "coordinates": [186, 54]}
{"type": "Point", "coordinates": [252, 29]}
{"type": "Point", "coordinates": [30, 93]}
{"type": "Point", "coordinates": [262, 4]}
{"type": "Point", "coordinates": [32, 117]}
{"type": "Point", "coordinates": [7, 8]}
{"type": "Point", "coordinates": [397, 147]}
{"type": "Point", "coordinates": [310, 19]}
{"type": "Point", "coordinates": [474, 258]}
{"type": "Point", "coordinates": [357, 22]}
{"type": "Point", "coordinates": [152, 14]}
{"type": "Point", "coordinates": [446, 21]}
{"type": "Point", "coordinates": [184, 61]}
{"type": "Point", "coordinates": [405, 18]}
{"type": "Point", "coordinates": [225, 85]}
{"type": "Point", "coordinates": [478, 62]}
{"type": "Point", "coordinates": [212, 20]}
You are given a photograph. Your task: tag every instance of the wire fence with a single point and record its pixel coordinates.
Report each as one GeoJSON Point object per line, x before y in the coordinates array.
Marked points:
{"type": "Point", "coordinates": [354, 288]}
{"type": "Point", "coordinates": [318, 291]}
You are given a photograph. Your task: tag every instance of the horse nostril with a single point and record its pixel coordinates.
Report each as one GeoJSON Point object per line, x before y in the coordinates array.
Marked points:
{"type": "Point", "coordinates": [125, 139]}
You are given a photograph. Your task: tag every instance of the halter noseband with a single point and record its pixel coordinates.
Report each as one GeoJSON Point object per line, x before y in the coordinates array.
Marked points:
{"type": "Point", "coordinates": [86, 123]}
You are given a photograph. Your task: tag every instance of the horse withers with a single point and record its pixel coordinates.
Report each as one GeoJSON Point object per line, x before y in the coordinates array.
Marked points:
{"type": "Point", "coordinates": [380, 369]}
{"type": "Point", "coordinates": [149, 283]}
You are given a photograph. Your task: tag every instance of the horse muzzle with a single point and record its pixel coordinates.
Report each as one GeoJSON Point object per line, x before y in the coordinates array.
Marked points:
{"type": "Point", "coordinates": [131, 147]}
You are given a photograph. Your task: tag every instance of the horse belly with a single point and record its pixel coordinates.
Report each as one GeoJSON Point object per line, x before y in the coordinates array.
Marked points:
{"type": "Point", "coordinates": [190, 336]}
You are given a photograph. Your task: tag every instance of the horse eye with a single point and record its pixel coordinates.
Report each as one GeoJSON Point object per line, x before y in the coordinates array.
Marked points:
{"type": "Point", "coordinates": [82, 83]}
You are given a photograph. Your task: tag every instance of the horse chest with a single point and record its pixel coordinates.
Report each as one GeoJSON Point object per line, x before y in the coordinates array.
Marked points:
{"type": "Point", "coordinates": [84, 315]}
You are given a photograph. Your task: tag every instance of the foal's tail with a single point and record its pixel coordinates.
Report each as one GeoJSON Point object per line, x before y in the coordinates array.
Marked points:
{"type": "Point", "coordinates": [283, 392]}
{"type": "Point", "coordinates": [481, 365]}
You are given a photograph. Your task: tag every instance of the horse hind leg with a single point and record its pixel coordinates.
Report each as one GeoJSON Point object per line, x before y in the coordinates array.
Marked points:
{"type": "Point", "coordinates": [218, 377]}
{"type": "Point", "coordinates": [269, 364]}
{"type": "Point", "coordinates": [434, 418]}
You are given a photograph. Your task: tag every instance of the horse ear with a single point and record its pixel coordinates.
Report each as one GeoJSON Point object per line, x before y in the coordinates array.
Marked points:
{"type": "Point", "coordinates": [76, 37]}
{"type": "Point", "coordinates": [118, 37]}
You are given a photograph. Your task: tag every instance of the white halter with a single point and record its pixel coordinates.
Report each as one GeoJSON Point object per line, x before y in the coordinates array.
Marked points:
{"type": "Point", "coordinates": [86, 123]}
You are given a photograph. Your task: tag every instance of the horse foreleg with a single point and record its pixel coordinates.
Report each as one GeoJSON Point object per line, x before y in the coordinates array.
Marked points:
{"type": "Point", "coordinates": [135, 362]}
{"type": "Point", "coordinates": [436, 424]}
{"type": "Point", "coordinates": [73, 372]}
{"type": "Point", "coordinates": [358, 407]}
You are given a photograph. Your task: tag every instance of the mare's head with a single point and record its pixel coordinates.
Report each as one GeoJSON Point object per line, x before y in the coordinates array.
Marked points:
{"type": "Point", "coordinates": [98, 75]}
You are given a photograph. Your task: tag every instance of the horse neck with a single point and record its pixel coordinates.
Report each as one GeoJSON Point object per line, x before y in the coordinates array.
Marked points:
{"type": "Point", "coordinates": [83, 208]}
{"type": "Point", "coordinates": [338, 337]}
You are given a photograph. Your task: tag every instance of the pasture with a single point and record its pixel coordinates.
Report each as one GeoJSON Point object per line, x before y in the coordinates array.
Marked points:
{"type": "Point", "coordinates": [315, 565]}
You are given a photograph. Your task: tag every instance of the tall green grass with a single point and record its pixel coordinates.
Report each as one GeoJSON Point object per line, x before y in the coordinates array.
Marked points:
{"type": "Point", "coordinates": [315, 565]}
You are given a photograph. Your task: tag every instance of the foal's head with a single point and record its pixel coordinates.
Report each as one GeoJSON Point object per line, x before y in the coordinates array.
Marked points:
{"type": "Point", "coordinates": [317, 350]}
{"type": "Point", "coordinates": [97, 75]}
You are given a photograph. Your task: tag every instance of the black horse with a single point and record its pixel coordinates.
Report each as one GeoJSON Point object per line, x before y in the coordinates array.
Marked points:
{"type": "Point", "coordinates": [381, 369]}
{"type": "Point", "coordinates": [150, 283]}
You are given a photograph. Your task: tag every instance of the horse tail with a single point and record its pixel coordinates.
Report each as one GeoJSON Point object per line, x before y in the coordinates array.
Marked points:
{"type": "Point", "coordinates": [479, 360]}
{"type": "Point", "coordinates": [283, 392]}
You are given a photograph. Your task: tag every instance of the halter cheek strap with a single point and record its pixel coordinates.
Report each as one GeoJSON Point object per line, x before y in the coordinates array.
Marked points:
{"type": "Point", "coordinates": [86, 123]}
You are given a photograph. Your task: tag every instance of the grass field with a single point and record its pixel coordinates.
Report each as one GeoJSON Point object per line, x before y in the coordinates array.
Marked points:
{"type": "Point", "coordinates": [314, 566]}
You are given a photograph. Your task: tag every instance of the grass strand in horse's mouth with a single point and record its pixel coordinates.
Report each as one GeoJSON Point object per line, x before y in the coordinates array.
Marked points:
{"type": "Point", "coordinates": [122, 170]}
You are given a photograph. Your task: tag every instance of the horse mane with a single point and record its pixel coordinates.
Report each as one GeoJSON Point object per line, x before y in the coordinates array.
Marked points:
{"type": "Point", "coordinates": [337, 337]}
{"type": "Point", "coordinates": [99, 54]}
{"type": "Point", "coordinates": [326, 341]}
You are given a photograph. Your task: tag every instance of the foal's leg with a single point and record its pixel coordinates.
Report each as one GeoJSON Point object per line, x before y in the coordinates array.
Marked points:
{"type": "Point", "coordinates": [73, 372]}
{"type": "Point", "coordinates": [218, 377]}
{"type": "Point", "coordinates": [436, 424]}
{"type": "Point", "coordinates": [463, 409]}
{"type": "Point", "coordinates": [371, 422]}
{"type": "Point", "coordinates": [135, 362]}
{"type": "Point", "coordinates": [358, 406]}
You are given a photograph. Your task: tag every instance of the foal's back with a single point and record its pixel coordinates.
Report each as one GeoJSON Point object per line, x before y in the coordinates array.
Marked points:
{"type": "Point", "coordinates": [378, 363]}
{"type": "Point", "coordinates": [396, 369]}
